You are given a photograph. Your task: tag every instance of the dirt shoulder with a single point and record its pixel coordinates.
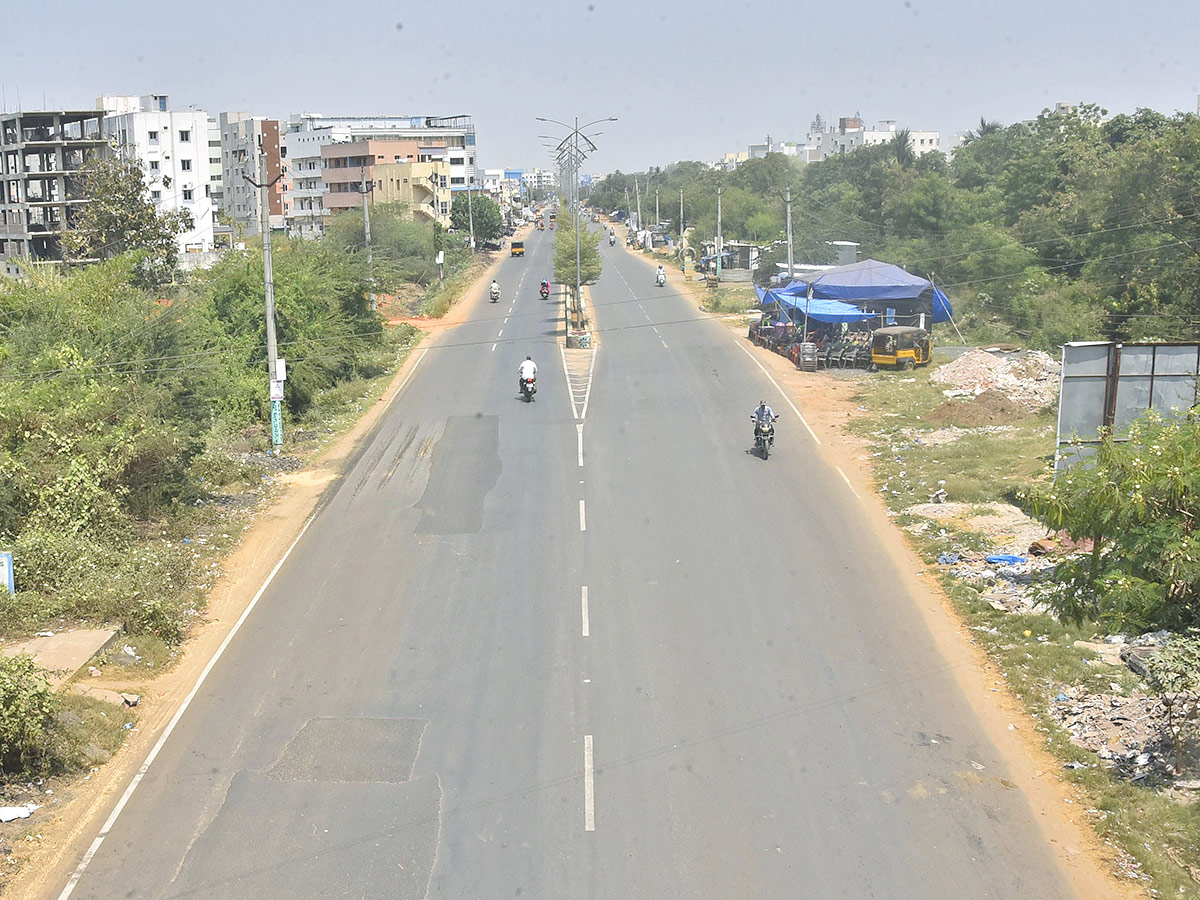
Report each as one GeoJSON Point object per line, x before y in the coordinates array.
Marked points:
{"type": "Point", "coordinates": [48, 860]}
{"type": "Point", "coordinates": [828, 404]}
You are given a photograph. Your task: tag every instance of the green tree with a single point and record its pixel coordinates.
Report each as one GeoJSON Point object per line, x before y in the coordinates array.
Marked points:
{"type": "Point", "coordinates": [1138, 500]}
{"type": "Point", "coordinates": [986, 127]}
{"type": "Point", "coordinates": [120, 217]}
{"type": "Point", "coordinates": [901, 148]}
{"type": "Point", "coordinates": [484, 212]}
{"type": "Point", "coordinates": [564, 254]}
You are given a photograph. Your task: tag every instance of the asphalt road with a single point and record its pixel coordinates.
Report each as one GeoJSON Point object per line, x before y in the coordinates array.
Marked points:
{"type": "Point", "coordinates": [488, 670]}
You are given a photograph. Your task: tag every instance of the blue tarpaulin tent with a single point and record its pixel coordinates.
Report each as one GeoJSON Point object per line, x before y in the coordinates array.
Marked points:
{"type": "Point", "coordinates": [819, 309]}
{"type": "Point", "coordinates": [876, 287]}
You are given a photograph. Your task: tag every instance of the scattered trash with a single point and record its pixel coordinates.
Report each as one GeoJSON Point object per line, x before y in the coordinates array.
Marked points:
{"type": "Point", "coordinates": [94, 672]}
{"type": "Point", "coordinates": [11, 813]}
{"type": "Point", "coordinates": [131, 699]}
{"type": "Point", "coordinates": [947, 559]}
{"type": "Point", "coordinates": [44, 634]}
{"type": "Point", "coordinates": [1004, 559]}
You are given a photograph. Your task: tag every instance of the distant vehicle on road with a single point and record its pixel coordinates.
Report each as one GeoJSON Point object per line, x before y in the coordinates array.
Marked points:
{"type": "Point", "coordinates": [517, 248]}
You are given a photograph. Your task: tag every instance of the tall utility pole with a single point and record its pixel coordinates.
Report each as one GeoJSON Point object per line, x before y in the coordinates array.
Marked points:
{"type": "Point", "coordinates": [638, 192]}
{"type": "Point", "coordinates": [471, 214]}
{"type": "Point", "coordinates": [681, 215]}
{"type": "Point", "coordinates": [275, 383]}
{"type": "Point", "coordinates": [367, 233]}
{"type": "Point", "coordinates": [791, 265]}
{"type": "Point", "coordinates": [719, 190]}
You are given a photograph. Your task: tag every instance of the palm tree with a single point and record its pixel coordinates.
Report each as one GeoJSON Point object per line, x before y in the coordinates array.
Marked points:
{"type": "Point", "coordinates": [900, 146]}
{"type": "Point", "coordinates": [985, 128]}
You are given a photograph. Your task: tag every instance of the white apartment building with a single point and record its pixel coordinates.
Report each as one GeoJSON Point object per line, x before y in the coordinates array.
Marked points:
{"type": "Point", "coordinates": [173, 145]}
{"type": "Point", "coordinates": [537, 179]}
{"type": "Point", "coordinates": [419, 138]}
{"type": "Point", "coordinates": [216, 176]}
{"type": "Point", "coordinates": [850, 134]}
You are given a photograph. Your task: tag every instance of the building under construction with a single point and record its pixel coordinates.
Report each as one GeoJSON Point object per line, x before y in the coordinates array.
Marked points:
{"type": "Point", "coordinates": [40, 152]}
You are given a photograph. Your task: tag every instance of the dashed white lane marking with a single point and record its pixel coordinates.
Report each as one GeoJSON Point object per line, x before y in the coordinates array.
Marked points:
{"type": "Point", "coordinates": [847, 480]}
{"type": "Point", "coordinates": [493, 348]}
{"type": "Point", "coordinates": [500, 332]}
{"type": "Point", "coordinates": [589, 786]}
{"type": "Point", "coordinates": [183, 707]}
{"type": "Point", "coordinates": [505, 322]}
{"type": "Point", "coordinates": [786, 398]}
{"type": "Point", "coordinates": [582, 518]}
{"type": "Point", "coordinates": [586, 623]}
{"type": "Point", "coordinates": [579, 430]}
{"type": "Point", "coordinates": [664, 343]}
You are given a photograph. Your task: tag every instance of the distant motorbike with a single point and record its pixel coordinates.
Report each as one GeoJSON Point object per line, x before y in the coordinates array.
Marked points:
{"type": "Point", "coordinates": [528, 389]}
{"type": "Point", "coordinates": [544, 290]}
{"type": "Point", "coordinates": [660, 279]}
{"type": "Point", "coordinates": [612, 239]}
{"type": "Point", "coordinates": [764, 436]}
{"type": "Point", "coordinates": [495, 292]}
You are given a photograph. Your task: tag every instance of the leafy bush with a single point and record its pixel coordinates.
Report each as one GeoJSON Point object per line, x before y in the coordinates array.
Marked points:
{"type": "Point", "coordinates": [1139, 501]}
{"type": "Point", "coordinates": [27, 710]}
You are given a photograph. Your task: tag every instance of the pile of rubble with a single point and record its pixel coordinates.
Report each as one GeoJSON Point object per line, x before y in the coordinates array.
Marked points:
{"type": "Point", "coordinates": [1030, 380]}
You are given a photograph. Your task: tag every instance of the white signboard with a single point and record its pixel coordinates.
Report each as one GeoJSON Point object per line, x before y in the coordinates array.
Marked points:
{"type": "Point", "coordinates": [276, 390]}
{"type": "Point", "coordinates": [6, 573]}
{"type": "Point", "coordinates": [281, 368]}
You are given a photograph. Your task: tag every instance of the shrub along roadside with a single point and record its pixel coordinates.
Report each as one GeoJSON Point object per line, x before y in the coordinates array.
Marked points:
{"type": "Point", "coordinates": [1034, 652]}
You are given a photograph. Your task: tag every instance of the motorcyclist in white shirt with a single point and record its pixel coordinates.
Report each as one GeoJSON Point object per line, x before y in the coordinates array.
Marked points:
{"type": "Point", "coordinates": [527, 369]}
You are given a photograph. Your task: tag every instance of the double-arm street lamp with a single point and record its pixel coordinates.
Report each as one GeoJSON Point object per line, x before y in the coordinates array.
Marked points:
{"type": "Point", "coordinates": [570, 156]}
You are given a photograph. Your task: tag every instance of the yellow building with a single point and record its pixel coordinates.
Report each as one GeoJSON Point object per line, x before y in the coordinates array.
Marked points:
{"type": "Point", "coordinates": [423, 186]}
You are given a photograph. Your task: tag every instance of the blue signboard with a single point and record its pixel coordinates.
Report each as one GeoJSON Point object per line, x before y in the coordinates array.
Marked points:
{"type": "Point", "coordinates": [6, 573]}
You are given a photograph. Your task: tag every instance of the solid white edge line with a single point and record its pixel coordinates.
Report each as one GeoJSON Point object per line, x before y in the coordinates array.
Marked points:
{"type": "Point", "coordinates": [187, 701]}
{"type": "Point", "coordinates": [847, 480]}
{"type": "Point", "coordinates": [579, 429]}
{"type": "Point", "coordinates": [582, 518]}
{"type": "Point", "coordinates": [407, 377]}
{"type": "Point", "coordinates": [589, 787]}
{"type": "Point", "coordinates": [587, 625]}
{"type": "Point", "coordinates": [786, 398]}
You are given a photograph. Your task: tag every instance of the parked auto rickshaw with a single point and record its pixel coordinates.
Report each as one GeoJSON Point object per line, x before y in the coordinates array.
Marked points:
{"type": "Point", "coordinates": [517, 248]}
{"type": "Point", "coordinates": [901, 347]}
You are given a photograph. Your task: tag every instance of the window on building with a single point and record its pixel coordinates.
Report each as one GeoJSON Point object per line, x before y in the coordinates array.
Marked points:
{"type": "Point", "coordinates": [187, 194]}
{"type": "Point", "coordinates": [153, 135]}
{"type": "Point", "coordinates": [207, 191]}
{"type": "Point", "coordinates": [154, 165]}
{"type": "Point", "coordinates": [185, 165]}
{"type": "Point", "coordinates": [458, 181]}
{"type": "Point", "coordinates": [456, 160]}
{"type": "Point", "coordinates": [444, 207]}
{"type": "Point", "coordinates": [155, 195]}
{"type": "Point", "coordinates": [184, 137]}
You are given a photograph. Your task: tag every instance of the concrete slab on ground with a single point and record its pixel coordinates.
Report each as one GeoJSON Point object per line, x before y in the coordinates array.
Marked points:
{"type": "Point", "coordinates": [65, 653]}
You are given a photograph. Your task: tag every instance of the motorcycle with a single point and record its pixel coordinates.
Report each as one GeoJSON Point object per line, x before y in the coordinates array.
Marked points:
{"type": "Point", "coordinates": [544, 290]}
{"type": "Point", "coordinates": [660, 279]}
{"type": "Point", "coordinates": [764, 436]}
{"type": "Point", "coordinates": [528, 389]}
{"type": "Point", "coordinates": [612, 239]}
{"type": "Point", "coordinates": [495, 294]}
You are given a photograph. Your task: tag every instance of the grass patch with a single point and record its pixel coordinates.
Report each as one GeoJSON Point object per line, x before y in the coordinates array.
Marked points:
{"type": "Point", "coordinates": [91, 730]}
{"type": "Point", "coordinates": [441, 297]}
{"type": "Point", "coordinates": [1035, 653]}
{"type": "Point", "coordinates": [729, 298]}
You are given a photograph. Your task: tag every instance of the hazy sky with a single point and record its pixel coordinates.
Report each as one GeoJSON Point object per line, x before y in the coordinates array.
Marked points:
{"type": "Point", "coordinates": [688, 80]}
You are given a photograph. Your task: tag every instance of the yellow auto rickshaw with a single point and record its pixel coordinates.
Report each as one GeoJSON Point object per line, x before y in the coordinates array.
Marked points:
{"type": "Point", "coordinates": [517, 248]}
{"type": "Point", "coordinates": [901, 347]}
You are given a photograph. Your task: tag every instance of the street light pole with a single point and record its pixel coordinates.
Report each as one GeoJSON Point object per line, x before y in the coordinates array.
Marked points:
{"type": "Point", "coordinates": [791, 266]}
{"type": "Point", "coordinates": [718, 248]}
{"type": "Point", "coordinates": [275, 382]}
{"type": "Point", "coordinates": [471, 214]}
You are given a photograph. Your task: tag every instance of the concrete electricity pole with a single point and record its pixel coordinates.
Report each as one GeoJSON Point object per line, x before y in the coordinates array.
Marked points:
{"type": "Point", "coordinates": [791, 265]}
{"type": "Point", "coordinates": [471, 214]}
{"type": "Point", "coordinates": [718, 248]}
{"type": "Point", "coordinates": [367, 234]}
{"type": "Point", "coordinates": [657, 218]}
{"type": "Point", "coordinates": [273, 368]}
{"type": "Point", "coordinates": [638, 193]}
